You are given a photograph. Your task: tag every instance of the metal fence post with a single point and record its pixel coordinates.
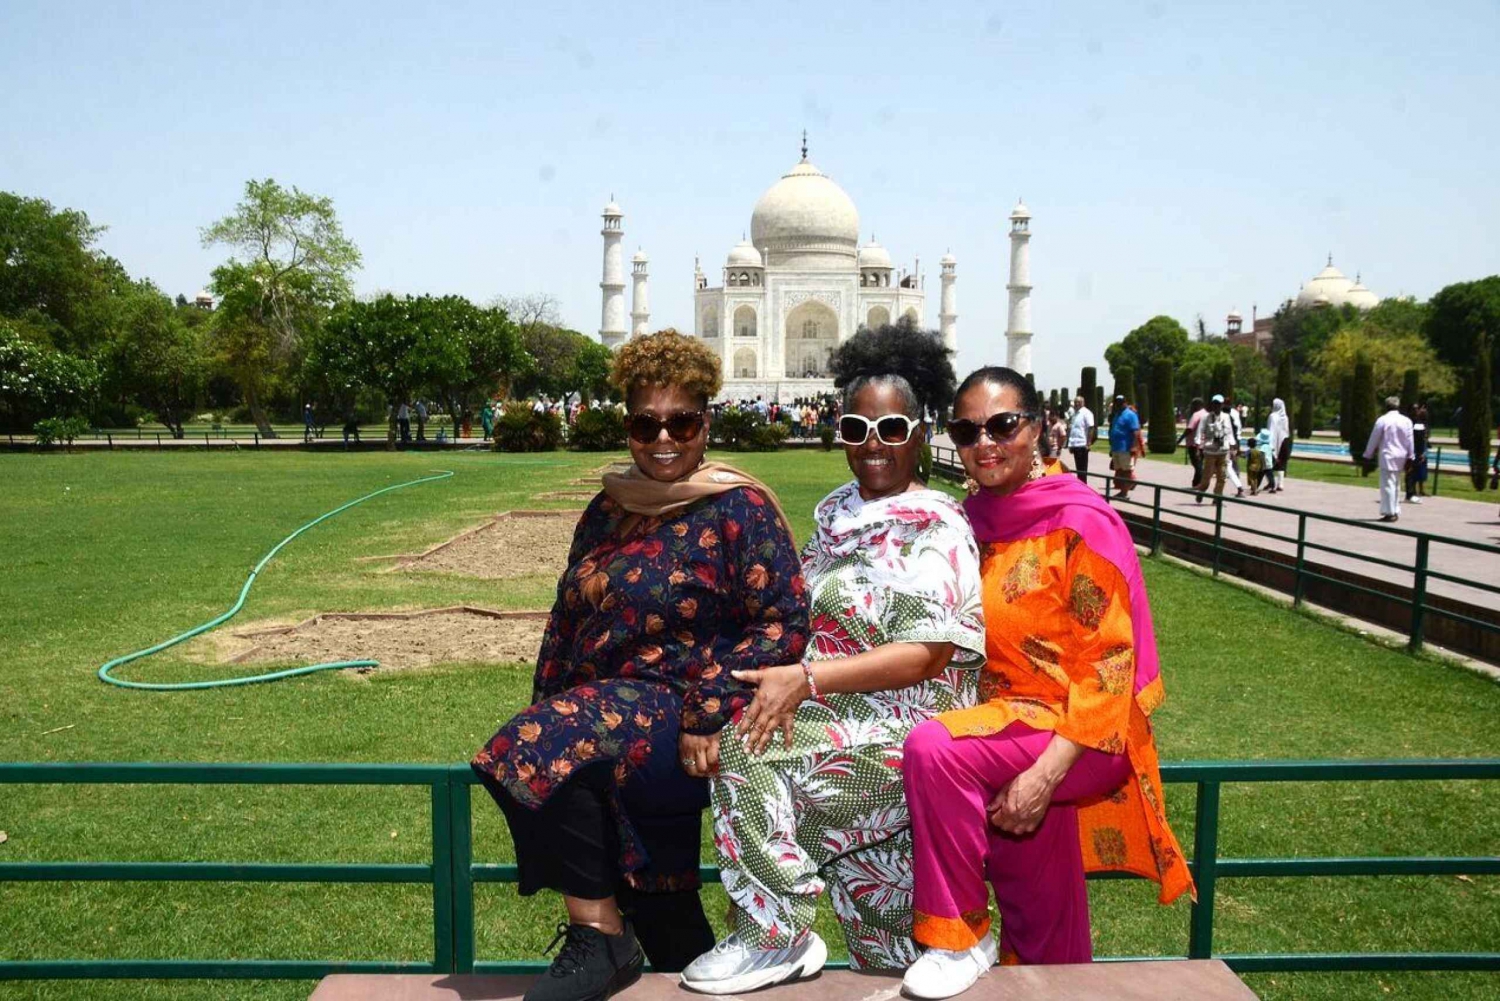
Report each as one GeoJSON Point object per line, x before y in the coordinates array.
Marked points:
{"type": "Point", "coordinates": [442, 876]}
{"type": "Point", "coordinates": [1437, 469]}
{"type": "Point", "coordinates": [111, 439]}
{"type": "Point", "coordinates": [1419, 593]}
{"type": "Point", "coordinates": [257, 439]}
{"type": "Point", "coordinates": [1299, 582]}
{"type": "Point", "coordinates": [1218, 530]}
{"type": "Point", "coordinates": [1156, 521]}
{"type": "Point", "coordinates": [461, 866]}
{"type": "Point", "coordinates": [1205, 866]}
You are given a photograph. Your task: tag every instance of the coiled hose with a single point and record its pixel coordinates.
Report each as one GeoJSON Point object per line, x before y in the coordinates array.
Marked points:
{"type": "Point", "coordinates": [180, 686]}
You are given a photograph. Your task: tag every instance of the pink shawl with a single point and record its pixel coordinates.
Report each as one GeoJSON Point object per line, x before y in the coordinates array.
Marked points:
{"type": "Point", "coordinates": [1061, 500]}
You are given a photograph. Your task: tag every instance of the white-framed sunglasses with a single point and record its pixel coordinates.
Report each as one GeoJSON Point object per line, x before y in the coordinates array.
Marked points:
{"type": "Point", "coordinates": [892, 429]}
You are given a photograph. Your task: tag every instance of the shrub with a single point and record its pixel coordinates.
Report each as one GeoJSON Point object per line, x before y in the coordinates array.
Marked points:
{"type": "Point", "coordinates": [1284, 378]}
{"type": "Point", "coordinates": [521, 429]}
{"type": "Point", "coordinates": [1305, 415]}
{"type": "Point", "coordinates": [59, 429]}
{"type": "Point", "coordinates": [598, 429]}
{"type": "Point", "coordinates": [1086, 389]}
{"type": "Point", "coordinates": [1477, 414]}
{"type": "Point", "coordinates": [1361, 411]}
{"type": "Point", "coordinates": [746, 431]}
{"type": "Point", "coordinates": [1411, 384]}
{"type": "Point", "coordinates": [1125, 384]}
{"type": "Point", "coordinates": [1161, 439]}
{"type": "Point", "coordinates": [826, 436]}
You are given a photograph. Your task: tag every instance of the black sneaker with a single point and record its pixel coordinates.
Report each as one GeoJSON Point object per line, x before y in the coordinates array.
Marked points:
{"type": "Point", "coordinates": [590, 966]}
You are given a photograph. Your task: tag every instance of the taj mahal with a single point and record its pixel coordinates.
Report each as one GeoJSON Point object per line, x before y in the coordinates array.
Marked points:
{"type": "Point", "coordinates": [799, 286]}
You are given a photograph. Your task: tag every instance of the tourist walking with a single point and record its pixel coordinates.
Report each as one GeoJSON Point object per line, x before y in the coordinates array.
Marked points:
{"type": "Point", "coordinates": [1124, 432]}
{"type": "Point", "coordinates": [421, 421]}
{"type": "Point", "coordinates": [1416, 473]}
{"type": "Point", "coordinates": [893, 584]}
{"type": "Point", "coordinates": [1390, 448]}
{"type": "Point", "coordinates": [1081, 435]}
{"type": "Point", "coordinates": [1057, 435]}
{"type": "Point", "coordinates": [1236, 443]}
{"type": "Point", "coordinates": [1055, 772]}
{"type": "Point", "coordinates": [680, 573]}
{"type": "Point", "coordinates": [308, 422]}
{"type": "Point", "coordinates": [1279, 430]}
{"type": "Point", "coordinates": [487, 418]}
{"type": "Point", "coordinates": [1214, 438]}
{"type": "Point", "coordinates": [1189, 437]}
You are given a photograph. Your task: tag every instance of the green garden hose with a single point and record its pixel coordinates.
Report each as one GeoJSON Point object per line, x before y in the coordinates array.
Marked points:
{"type": "Point", "coordinates": [240, 603]}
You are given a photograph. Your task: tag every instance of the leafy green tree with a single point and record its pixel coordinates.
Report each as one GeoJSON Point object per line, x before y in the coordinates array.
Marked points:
{"type": "Point", "coordinates": [1389, 355]}
{"type": "Point", "coordinates": [1303, 330]}
{"type": "Point", "coordinates": [1161, 438]}
{"type": "Point", "coordinates": [297, 265]}
{"type": "Point", "coordinates": [491, 349]}
{"type": "Point", "coordinates": [157, 361]}
{"type": "Point", "coordinates": [39, 382]}
{"type": "Point", "coordinates": [1196, 366]}
{"type": "Point", "coordinates": [1361, 410]}
{"type": "Point", "coordinates": [1222, 381]}
{"type": "Point", "coordinates": [1158, 337]}
{"type": "Point", "coordinates": [1346, 406]}
{"type": "Point", "coordinates": [1458, 316]}
{"type": "Point", "coordinates": [396, 346]}
{"type": "Point", "coordinates": [1411, 388]}
{"type": "Point", "coordinates": [1284, 379]}
{"type": "Point", "coordinates": [1478, 417]}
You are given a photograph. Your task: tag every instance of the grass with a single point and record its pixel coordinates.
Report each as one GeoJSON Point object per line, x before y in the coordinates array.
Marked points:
{"type": "Point", "coordinates": [110, 552]}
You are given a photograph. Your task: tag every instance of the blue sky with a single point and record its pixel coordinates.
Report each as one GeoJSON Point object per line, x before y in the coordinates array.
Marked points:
{"type": "Point", "coordinates": [1178, 159]}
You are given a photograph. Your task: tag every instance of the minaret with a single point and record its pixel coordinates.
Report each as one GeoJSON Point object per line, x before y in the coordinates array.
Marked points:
{"type": "Point", "coordinates": [948, 309]}
{"type": "Point", "coordinates": [612, 316]}
{"type": "Point", "coordinates": [1018, 328]}
{"type": "Point", "coordinates": [640, 306]}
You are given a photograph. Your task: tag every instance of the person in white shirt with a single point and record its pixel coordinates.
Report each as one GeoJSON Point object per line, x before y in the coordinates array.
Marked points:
{"type": "Point", "coordinates": [1232, 464]}
{"type": "Point", "coordinates": [1279, 428]}
{"type": "Point", "coordinates": [1081, 434]}
{"type": "Point", "coordinates": [1215, 437]}
{"type": "Point", "coordinates": [1391, 445]}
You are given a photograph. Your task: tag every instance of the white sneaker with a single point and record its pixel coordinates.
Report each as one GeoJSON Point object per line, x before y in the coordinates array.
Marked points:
{"type": "Point", "coordinates": [732, 967]}
{"type": "Point", "coordinates": [1413, 500]}
{"type": "Point", "coordinates": [942, 973]}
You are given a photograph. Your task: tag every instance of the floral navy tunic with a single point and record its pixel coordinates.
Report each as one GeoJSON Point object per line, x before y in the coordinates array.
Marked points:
{"type": "Point", "coordinates": [643, 636]}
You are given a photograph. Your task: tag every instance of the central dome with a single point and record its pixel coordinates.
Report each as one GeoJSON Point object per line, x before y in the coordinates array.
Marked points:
{"type": "Point", "coordinates": [805, 213]}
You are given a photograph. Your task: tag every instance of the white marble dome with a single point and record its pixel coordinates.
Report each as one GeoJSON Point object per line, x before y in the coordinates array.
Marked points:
{"type": "Point", "coordinates": [873, 255]}
{"type": "Point", "coordinates": [805, 212]}
{"type": "Point", "coordinates": [1328, 287]}
{"type": "Point", "coordinates": [1362, 297]}
{"type": "Point", "coordinates": [743, 255]}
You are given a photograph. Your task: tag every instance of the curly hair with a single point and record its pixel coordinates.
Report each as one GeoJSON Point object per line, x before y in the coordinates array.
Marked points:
{"type": "Point", "coordinates": [666, 358]}
{"type": "Point", "coordinates": [899, 352]}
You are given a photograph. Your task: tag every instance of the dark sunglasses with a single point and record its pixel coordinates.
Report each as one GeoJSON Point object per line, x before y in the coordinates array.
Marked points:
{"type": "Point", "coordinates": [1000, 427]}
{"type": "Point", "coordinates": [893, 429]}
{"type": "Point", "coordinates": [682, 428]}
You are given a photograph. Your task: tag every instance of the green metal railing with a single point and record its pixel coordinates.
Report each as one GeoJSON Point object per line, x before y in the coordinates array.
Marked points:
{"type": "Point", "coordinates": [1300, 547]}
{"type": "Point", "coordinates": [453, 873]}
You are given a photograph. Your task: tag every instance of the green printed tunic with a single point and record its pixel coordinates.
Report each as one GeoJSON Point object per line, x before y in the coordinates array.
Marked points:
{"type": "Point", "coordinates": [829, 810]}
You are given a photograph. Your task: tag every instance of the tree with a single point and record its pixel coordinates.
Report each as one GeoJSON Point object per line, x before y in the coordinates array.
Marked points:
{"type": "Point", "coordinates": [1161, 439]}
{"type": "Point", "coordinates": [1086, 387]}
{"type": "Point", "coordinates": [156, 360]}
{"type": "Point", "coordinates": [1361, 410]}
{"type": "Point", "coordinates": [1284, 379]}
{"type": "Point", "coordinates": [1411, 387]}
{"type": "Point", "coordinates": [1346, 402]}
{"type": "Point", "coordinates": [1303, 330]}
{"type": "Point", "coordinates": [1125, 383]}
{"type": "Point", "coordinates": [1143, 395]}
{"type": "Point", "coordinates": [38, 381]}
{"type": "Point", "coordinates": [297, 266]}
{"type": "Point", "coordinates": [1458, 316]}
{"type": "Point", "coordinates": [1305, 415]}
{"type": "Point", "coordinates": [1196, 366]}
{"type": "Point", "coordinates": [1390, 354]}
{"type": "Point", "coordinates": [395, 346]}
{"type": "Point", "coordinates": [1478, 417]}
{"type": "Point", "coordinates": [1158, 337]}
{"type": "Point", "coordinates": [489, 345]}
{"type": "Point", "coordinates": [1222, 381]}
{"type": "Point", "coordinates": [591, 371]}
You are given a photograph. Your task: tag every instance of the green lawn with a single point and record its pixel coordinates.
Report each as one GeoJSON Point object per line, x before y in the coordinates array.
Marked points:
{"type": "Point", "coordinates": [106, 553]}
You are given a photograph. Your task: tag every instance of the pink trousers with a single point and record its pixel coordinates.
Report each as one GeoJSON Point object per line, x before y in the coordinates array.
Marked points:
{"type": "Point", "coordinates": [1038, 878]}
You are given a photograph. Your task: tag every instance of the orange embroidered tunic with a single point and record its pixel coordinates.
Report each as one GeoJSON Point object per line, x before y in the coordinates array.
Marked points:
{"type": "Point", "coordinates": [1060, 656]}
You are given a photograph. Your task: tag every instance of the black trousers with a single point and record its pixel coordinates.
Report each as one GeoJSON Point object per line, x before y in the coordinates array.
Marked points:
{"type": "Point", "coordinates": [571, 845]}
{"type": "Point", "coordinates": [1081, 463]}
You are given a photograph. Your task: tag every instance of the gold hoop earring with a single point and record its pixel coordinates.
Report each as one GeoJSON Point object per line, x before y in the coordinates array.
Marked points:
{"type": "Point", "coordinates": [971, 486]}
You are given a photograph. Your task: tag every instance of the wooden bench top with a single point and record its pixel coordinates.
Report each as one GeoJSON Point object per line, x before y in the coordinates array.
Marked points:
{"type": "Point", "coordinates": [1168, 980]}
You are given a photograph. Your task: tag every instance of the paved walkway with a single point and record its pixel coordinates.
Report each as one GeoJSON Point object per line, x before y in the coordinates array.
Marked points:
{"type": "Point", "coordinates": [1470, 521]}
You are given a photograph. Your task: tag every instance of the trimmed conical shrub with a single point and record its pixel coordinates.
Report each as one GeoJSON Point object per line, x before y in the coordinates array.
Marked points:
{"type": "Point", "coordinates": [1161, 438]}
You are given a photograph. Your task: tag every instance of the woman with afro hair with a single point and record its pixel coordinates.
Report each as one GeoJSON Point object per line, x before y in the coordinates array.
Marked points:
{"type": "Point", "coordinates": [898, 635]}
{"type": "Point", "coordinates": [682, 575]}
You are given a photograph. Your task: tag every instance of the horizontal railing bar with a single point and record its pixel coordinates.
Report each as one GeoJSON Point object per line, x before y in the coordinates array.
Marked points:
{"type": "Point", "coordinates": [1362, 866]}
{"type": "Point", "coordinates": [1477, 585]}
{"type": "Point", "coordinates": [217, 773]}
{"type": "Point", "coordinates": [185, 969]}
{"type": "Point", "coordinates": [1361, 770]}
{"type": "Point", "coordinates": [1350, 962]}
{"type": "Point", "coordinates": [1459, 617]}
{"type": "Point", "coordinates": [215, 872]}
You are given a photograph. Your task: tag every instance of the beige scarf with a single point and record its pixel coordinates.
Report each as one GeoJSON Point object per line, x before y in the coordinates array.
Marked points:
{"type": "Point", "coordinates": [640, 494]}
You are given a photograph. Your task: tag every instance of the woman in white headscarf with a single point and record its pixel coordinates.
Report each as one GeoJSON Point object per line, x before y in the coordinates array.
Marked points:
{"type": "Point", "coordinates": [1280, 432]}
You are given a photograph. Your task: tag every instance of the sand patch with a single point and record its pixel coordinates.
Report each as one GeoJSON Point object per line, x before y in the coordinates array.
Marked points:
{"type": "Point", "coordinates": [512, 544]}
{"type": "Point", "coordinates": [567, 495]}
{"type": "Point", "coordinates": [398, 639]}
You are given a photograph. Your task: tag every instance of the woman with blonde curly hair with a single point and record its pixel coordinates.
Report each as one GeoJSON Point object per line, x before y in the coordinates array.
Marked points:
{"type": "Point", "coordinates": [681, 573]}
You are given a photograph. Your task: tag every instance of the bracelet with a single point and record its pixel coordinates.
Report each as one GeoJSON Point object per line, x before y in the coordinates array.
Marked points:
{"type": "Point", "coordinates": [812, 686]}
